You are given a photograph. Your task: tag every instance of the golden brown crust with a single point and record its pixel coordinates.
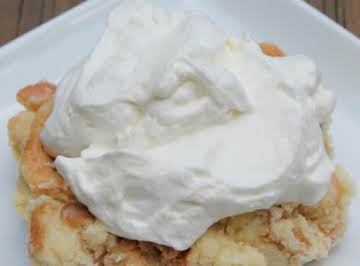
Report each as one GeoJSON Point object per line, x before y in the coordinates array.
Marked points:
{"type": "Point", "coordinates": [271, 49]}
{"type": "Point", "coordinates": [51, 241]}
{"type": "Point", "coordinates": [126, 253]}
{"type": "Point", "coordinates": [76, 215]}
{"type": "Point", "coordinates": [34, 96]}
{"type": "Point", "coordinates": [37, 229]}
{"type": "Point", "coordinates": [18, 131]}
{"type": "Point", "coordinates": [37, 166]}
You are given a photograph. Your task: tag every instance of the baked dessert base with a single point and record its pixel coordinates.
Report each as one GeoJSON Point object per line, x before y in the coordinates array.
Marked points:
{"type": "Point", "coordinates": [63, 232]}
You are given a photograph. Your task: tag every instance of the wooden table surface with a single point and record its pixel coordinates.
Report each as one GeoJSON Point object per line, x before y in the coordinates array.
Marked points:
{"type": "Point", "coordinates": [20, 16]}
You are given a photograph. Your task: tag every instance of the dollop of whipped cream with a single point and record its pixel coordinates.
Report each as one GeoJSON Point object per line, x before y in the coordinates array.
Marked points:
{"type": "Point", "coordinates": [171, 125]}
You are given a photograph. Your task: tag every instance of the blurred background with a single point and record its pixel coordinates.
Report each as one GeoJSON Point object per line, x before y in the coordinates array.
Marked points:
{"type": "Point", "coordinates": [20, 16]}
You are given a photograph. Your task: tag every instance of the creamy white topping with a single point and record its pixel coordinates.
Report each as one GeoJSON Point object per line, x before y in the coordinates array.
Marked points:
{"type": "Point", "coordinates": [170, 125]}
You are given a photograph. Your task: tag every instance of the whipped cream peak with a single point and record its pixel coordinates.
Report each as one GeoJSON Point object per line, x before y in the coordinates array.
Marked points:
{"type": "Point", "coordinates": [171, 125]}
{"type": "Point", "coordinates": [169, 74]}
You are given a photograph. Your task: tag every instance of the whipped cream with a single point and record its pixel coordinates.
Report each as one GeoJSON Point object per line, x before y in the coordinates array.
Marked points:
{"type": "Point", "coordinates": [171, 125]}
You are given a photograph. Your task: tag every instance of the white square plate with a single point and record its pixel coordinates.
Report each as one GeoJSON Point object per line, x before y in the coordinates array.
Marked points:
{"type": "Point", "coordinates": [52, 49]}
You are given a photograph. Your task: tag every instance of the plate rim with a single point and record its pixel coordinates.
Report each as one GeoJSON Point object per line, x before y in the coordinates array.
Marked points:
{"type": "Point", "coordinates": [340, 31]}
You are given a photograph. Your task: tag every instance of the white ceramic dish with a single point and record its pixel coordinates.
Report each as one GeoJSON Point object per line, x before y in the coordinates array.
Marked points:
{"type": "Point", "coordinates": [52, 49]}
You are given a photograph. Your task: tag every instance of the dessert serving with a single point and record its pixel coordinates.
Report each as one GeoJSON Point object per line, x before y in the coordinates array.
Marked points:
{"type": "Point", "coordinates": [174, 143]}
